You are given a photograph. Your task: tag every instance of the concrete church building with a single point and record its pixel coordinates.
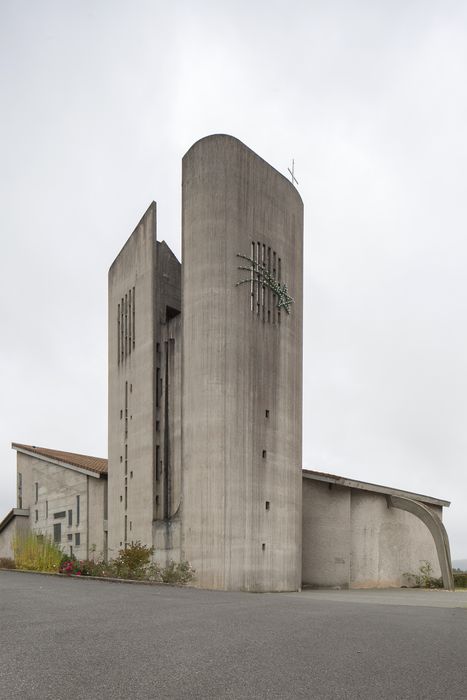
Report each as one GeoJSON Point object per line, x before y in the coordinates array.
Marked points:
{"type": "Point", "coordinates": [205, 403]}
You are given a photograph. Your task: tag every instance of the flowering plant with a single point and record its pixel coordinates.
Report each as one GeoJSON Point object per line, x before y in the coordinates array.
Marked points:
{"type": "Point", "coordinates": [70, 566]}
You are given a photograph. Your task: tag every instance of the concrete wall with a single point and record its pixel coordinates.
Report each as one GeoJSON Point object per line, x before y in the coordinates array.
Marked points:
{"type": "Point", "coordinates": [386, 543]}
{"type": "Point", "coordinates": [352, 539]}
{"type": "Point", "coordinates": [17, 525]}
{"type": "Point", "coordinates": [131, 389]}
{"type": "Point", "coordinates": [238, 364]}
{"type": "Point", "coordinates": [326, 534]}
{"type": "Point", "coordinates": [58, 488]}
{"type": "Point", "coordinates": [144, 420]}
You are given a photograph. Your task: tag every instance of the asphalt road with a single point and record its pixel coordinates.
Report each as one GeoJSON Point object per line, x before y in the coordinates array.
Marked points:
{"type": "Point", "coordinates": [68, 638]}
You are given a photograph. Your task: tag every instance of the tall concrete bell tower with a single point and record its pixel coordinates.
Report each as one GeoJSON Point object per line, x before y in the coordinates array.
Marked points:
{"type": "Point", "coordinates": [241, 369]}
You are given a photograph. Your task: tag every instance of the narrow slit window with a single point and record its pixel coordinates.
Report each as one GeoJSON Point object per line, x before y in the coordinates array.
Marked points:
{"type": "Point", "coordinates": [267, 505]}
{"type": "Point", "coordinates": [121, 330]}
{"type": "Point", "coordinates": [264, 454]}
{"type": "Point", "coordinates": [263, 546]}
{"type": "Point", "coordinates": [252, 278]}
{"type": "Point", "coordinates": [267, 413]}
{"type": "Point", "coordinates": [126, 325]}
{"type": "Point", "coordinates": [130, 323]}
{"type": "Point", "coordinates": [134, 307]}
{"type": "Point", "coordinates": [77, 510]}
{"type": "Point", "coordinates": [258, 277]}
{"type": "Point", "coordinates": [118, 334]}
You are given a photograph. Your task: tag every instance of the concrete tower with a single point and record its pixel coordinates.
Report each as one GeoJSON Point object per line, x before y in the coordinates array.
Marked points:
{"type": "Point", "coordinates": [144, 394]}
{"type": "Point", "coordinates": [241, 369]}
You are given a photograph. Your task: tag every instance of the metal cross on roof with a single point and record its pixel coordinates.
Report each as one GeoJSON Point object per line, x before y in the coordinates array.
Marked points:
{"type": "Point", "coordinates": [292, 176]}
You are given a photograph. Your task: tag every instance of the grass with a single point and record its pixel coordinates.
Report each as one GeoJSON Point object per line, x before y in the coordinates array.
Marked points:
{"type": "Point", "coordinates": [36, 552]}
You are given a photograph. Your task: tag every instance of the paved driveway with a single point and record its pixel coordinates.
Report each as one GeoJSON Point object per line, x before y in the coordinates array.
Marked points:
{"type": "Point", "coordinates": [68, 638]}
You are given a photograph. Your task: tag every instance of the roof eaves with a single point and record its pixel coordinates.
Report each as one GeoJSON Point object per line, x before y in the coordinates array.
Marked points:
{"type": "Point", "coordinates": [374, 488]}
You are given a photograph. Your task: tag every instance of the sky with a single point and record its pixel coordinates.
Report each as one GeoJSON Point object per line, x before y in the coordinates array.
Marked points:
{"type": "Point", "coordinates": [100, 101]}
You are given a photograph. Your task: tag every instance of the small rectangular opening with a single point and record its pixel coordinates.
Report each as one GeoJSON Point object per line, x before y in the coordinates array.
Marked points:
{"type": "Point", "coordinates": [267, 413]}
{"type": "Point", "coordinates": [264, 454]}
{"type": "Point", "coordinates": [263, 546]}
{"type": "Point", "coordinates": [267, 505]}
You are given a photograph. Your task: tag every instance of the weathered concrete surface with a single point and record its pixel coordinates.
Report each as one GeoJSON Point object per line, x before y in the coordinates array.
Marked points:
{"type": "Point", "coordinates": [352, 539]}
{"type": "Point", "coordinates": [15, 523]}
{"type": "Point", "coordinates": [123, 641]}
{"type": "Point", "coordinates": [131, 387]}
{"type": "Point", "coordinates": [57, 489]}
{"type": "Point", "coordinates": [144, 479]}
{"type": "Point", "coordinates": [239, 363]}
{"type": "Point", "coordinates": [437, 531]}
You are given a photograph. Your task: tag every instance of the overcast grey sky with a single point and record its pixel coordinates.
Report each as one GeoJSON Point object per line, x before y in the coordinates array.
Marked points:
{"type": "Point", "coordinates": [99, 102]}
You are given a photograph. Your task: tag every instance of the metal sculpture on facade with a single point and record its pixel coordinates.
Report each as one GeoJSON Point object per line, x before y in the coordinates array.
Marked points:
{"type": "Point", "coordinates": [260, 274]}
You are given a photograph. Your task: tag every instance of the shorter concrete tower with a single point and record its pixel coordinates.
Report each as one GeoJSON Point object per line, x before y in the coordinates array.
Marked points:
{"type": "Point", "coordinates": [144, 393]}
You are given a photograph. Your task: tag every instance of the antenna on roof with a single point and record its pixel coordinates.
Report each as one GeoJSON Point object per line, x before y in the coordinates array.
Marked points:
{"type": "Point", "coordinates": [293, 179]}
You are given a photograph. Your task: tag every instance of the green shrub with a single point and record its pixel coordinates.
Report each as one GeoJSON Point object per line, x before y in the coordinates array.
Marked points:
{"type": "Point", "coordinates": [177, 573]}
{"type": "Point", "coordinates": [460, 579]}
{"type": "Point", "coordinates": [36, 552]}
{"type": "Point", "coordinates": [132, 562]}
{"type": "Point", "coordinates": [7, 563]}
{"type": "Point", "coordinates": [424, 578]}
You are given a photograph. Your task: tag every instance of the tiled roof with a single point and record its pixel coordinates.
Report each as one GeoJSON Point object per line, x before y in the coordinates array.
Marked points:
{"type": "Point", "coordinates": [93, 464]}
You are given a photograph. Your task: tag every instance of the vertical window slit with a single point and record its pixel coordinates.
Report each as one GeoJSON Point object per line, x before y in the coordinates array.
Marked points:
{"type": "Point", "coordinates": [252, 277]}
{"type": "Point", "coordinates": [279, 279]}
{"type": "Point", "coordinates": [129, 322]}
{"type": "Point", "coordinates": [118, 335]}
{"type": "Point", "coordinates": [263, 289]}
{"type": "Point", "coordinates": [274, 275]}
{"type": "Point", "coordinates": [258, 276]}
{"type": "Point", "coordinates": [134, 306]}
{"type": "Point", "coordinates": [121, 329]}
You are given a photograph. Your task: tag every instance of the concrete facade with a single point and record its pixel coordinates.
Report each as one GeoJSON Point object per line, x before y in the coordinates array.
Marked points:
{"type": "Point", "coordinates": [144, 421]}
{"type": "Point", "coordinates": [353, 539]}
{"type": "Point", "coordinates": [12, 525]}
{"type": "Point", "coordinates": [242, 370]}
{"type": "Point", "coordinates": [205, 410]}
{"type": "Point", "coordinates": [65, 502]}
